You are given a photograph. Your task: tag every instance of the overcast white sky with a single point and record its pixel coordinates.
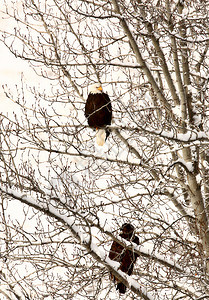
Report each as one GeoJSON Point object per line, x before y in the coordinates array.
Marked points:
{"type": "Point", "coordinates": [11, 68]}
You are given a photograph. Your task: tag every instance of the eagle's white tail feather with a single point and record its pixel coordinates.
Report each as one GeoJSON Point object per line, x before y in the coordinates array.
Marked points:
{"type": "Point", "coordinates": [100, 137]}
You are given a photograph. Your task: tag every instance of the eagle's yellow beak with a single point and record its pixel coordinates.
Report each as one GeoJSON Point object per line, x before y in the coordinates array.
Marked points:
{"type": "Point", "coordinates": [99, 88]}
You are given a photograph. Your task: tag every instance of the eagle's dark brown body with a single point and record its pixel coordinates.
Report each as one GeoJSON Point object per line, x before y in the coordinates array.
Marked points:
{"type": "Point", "coordinates": [127, 258]}
{"type": "Point", "coordinates": [98, 110]}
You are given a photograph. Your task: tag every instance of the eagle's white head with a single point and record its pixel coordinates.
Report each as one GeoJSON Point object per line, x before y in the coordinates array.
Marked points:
{"type": "Point", "coordinates": [95, 88]}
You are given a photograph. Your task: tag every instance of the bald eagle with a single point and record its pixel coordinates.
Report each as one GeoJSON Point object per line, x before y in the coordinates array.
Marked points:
{"type": "Point", "coordinates": [126, 258]}
{"type": "Point", "coordinates": [98, 111]}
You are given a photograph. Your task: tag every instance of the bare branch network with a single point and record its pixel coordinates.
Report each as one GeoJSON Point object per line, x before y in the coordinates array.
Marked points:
{"type": "Point", "coordinates": [63, 197]}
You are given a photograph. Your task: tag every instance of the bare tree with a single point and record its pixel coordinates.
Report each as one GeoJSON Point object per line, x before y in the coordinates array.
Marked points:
{"type": "Point", "coordinates": [73, 196]}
